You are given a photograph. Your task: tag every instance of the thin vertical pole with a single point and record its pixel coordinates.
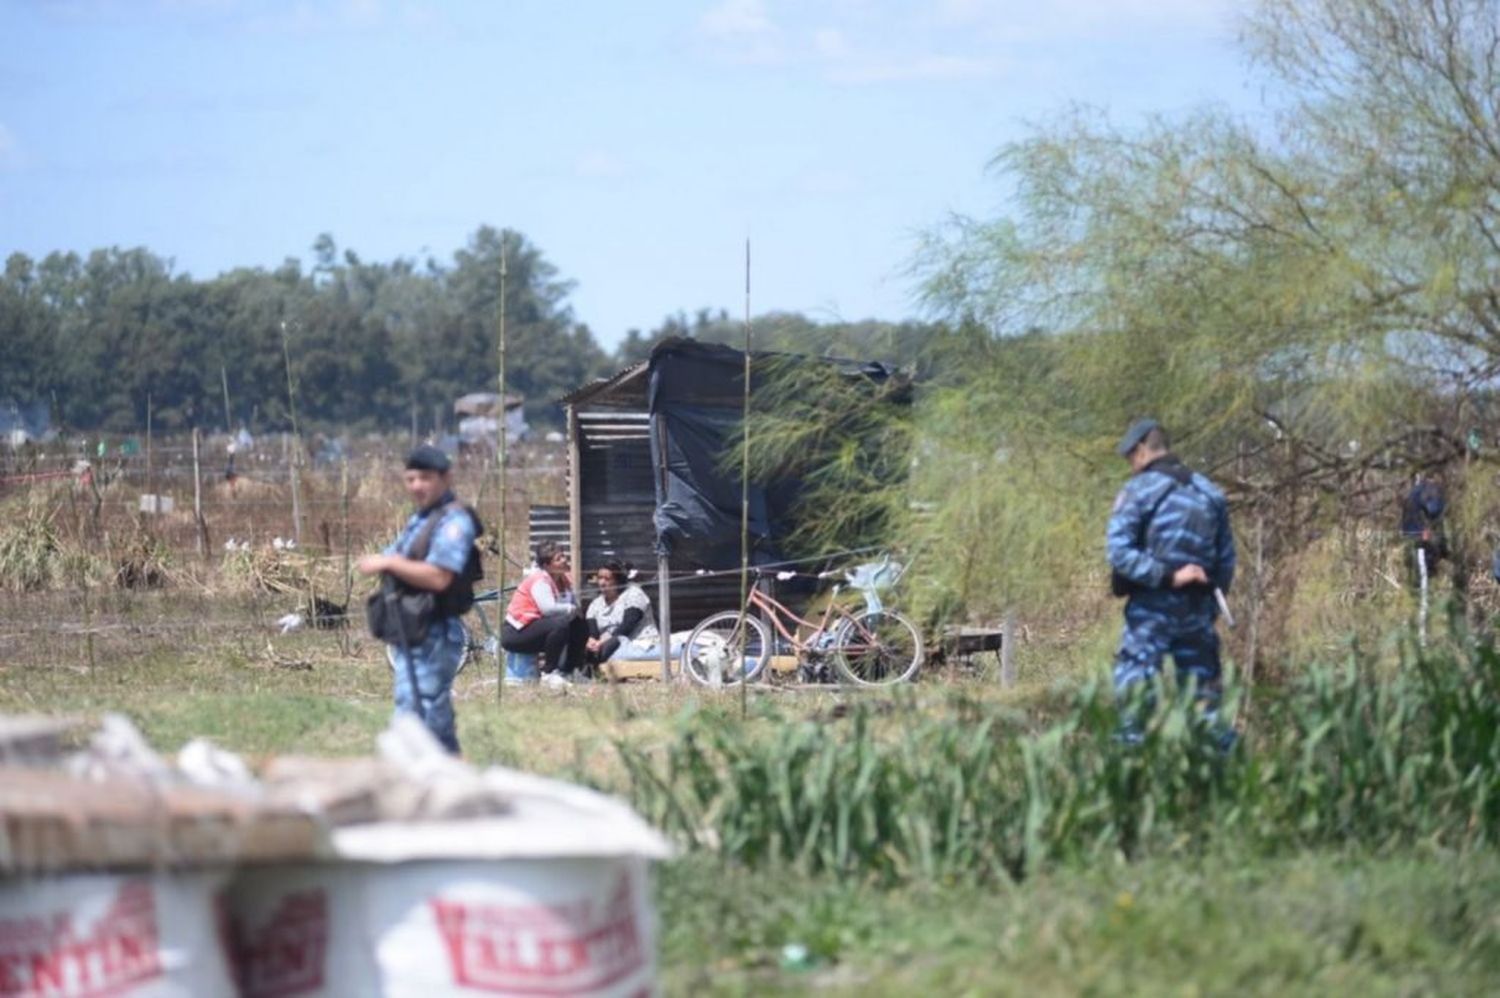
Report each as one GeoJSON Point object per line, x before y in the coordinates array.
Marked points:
{"type": "Point", "coordinates": [1008, 650]}
{"type": "Point", "coordinates": [198, 499]}
{"type": "Point", "coordinates": [228, 419]}
{"type": "Point", "coordinates": [745, 499]}
{"type": "Point", "coordinates": [149, 490]}
{"type": "Point", "coordinates": [1422, 608]}
{"type": "Point", "coordinates": [344, 636]}
{"type": "Point", "coordinates": [663, 563]}
{"type": "Point", "coordinates": [291, 398]}
{"type": "Point", "coordinates": [1257, 595]}
{"type": "Point", "coordinates": [500, 448]}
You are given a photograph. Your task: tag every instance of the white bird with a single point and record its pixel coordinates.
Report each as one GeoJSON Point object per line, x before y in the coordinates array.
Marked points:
{"type": "Point", "coordinates": [278, 544]}
{"type": "Point", "coordinates": [291, 622]}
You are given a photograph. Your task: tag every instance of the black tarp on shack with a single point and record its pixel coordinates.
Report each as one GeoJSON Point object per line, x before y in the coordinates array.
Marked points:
{"type": "Point", "coordinates": [624, 503]}
{"type": "Point", "coordinates": [696, 401]}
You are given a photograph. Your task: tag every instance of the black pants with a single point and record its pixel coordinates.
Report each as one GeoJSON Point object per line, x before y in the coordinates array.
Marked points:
{"type": "Point", "coordinates": [607, 647]}
{"type": "Point", "coordinates": [559, 639]}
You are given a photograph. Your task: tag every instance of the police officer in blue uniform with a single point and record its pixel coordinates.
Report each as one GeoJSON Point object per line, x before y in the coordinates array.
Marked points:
{"type": "Point", "coordinates": [1170, 547]}
{"type": "Point", "coordinates": [430, 659]}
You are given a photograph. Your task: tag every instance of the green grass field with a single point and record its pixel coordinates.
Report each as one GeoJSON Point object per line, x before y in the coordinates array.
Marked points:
{"type": "Point", "coordinates": [1408, 915]}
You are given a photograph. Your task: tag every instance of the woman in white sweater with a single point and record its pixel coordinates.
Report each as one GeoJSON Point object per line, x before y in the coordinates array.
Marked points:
{"type": "Point", "coordinates": [620, 621]}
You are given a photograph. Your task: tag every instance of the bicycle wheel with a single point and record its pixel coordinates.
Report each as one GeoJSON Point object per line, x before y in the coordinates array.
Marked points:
{"type": "Point", "coordinates": [877, 648]}
{"type": "Point", "coordinates": [479, 645]}
{"type": "Point", "coordinates": [723, 652]}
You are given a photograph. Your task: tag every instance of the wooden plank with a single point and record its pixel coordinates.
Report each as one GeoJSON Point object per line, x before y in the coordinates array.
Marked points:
{"type": "Point", "coordinates": [650, 668]}
{"type": "Point", "coordinates": [575, 473]}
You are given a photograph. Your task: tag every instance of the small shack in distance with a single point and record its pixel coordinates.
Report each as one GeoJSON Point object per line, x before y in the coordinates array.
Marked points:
{"type": "Point", "coordinates": [612, 483]}
{"type": "Point", "coordinates": [646, 480]}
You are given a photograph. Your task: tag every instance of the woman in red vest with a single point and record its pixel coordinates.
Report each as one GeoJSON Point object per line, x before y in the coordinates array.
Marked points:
{"type": "Point", "coordinates": [543, 615]}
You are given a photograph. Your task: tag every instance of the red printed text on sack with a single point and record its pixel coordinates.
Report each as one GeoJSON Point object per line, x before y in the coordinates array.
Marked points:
{"type": "Point", "coordinates": [542, 949]}
{"type": "Point", "coordinates": [51, 955]}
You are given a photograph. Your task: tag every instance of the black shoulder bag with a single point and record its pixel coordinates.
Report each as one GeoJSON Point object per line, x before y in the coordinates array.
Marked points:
{"type": "Point", "coordinates": [397, 613]}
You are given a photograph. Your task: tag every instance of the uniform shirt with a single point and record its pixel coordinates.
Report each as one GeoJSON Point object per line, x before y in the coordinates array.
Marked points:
{"type": "Point", "coordinates": [451, 541]}
{"type": "Point", "coordinates": [1189, 525]}
{"type": "Point", "coordinates": [449, 548]}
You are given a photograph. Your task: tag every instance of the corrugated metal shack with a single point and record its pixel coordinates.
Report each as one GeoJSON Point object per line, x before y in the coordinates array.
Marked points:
{"type": "Point", "coordinates": [612, 493]}
{"type": "Point", "coordinates": [644, 475]}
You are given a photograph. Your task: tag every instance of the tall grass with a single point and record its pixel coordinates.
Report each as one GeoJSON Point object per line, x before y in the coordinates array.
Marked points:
{"type": "Point", "coordinates": [1338, 757]}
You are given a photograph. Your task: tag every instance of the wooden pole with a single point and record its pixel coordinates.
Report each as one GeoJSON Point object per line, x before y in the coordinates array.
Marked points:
{"type": "Point", "coordinates": [228, 419]}
{"type": "Point", "coordinates": [500, 456]}
{"type": "Point", "coordinates": [345, 636]}
{"type": "Point", "coordinates": [1257, 597]}
{"type": "Point", "coordinates": [1008, 651]}
{"type": "Point", "coordinates": [575, 487]}
{"type": "Point", "coordinates": [663, 564]}
{"type": "Point", "coordinates": [149, 490]}
{"type": "Point", "coordinates": [198, 500]}
{"type": "Point", "coordinates": [745, 503]}
{"type": "Point", "coordinates": [291, 398]}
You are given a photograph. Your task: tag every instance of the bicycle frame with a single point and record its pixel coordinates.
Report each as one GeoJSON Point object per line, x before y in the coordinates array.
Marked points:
{"type": "Point", "coordinates": [777, 612]}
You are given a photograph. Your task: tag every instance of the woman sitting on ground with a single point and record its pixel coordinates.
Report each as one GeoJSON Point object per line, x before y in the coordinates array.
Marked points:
{"type": "Point", "coordinates": [620, 621]}
{"type": "Point", "coordinates": [543, 614]}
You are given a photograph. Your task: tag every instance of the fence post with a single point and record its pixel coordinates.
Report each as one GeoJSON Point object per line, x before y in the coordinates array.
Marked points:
{"type": "Point", "coordinates": [346, 640]}
{"type": "Point", "coordinates": [1008, 651]}
{"type": "Point", "coordinates": [202, 529]}
{"type": "Point", "coordinates": [150, 489]}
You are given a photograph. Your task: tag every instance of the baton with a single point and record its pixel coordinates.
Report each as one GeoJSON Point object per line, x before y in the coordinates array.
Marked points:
{"type": "Point", "coordinates": [393, 605]}
{"type": "Point", "coordinates": [1224, 607]}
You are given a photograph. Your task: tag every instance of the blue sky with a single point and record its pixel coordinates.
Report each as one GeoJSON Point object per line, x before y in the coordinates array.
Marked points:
{"type": "Point", "coordinates": [637, 144]}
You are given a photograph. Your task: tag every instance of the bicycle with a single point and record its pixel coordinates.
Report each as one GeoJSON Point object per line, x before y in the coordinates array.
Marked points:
{"type": "Point", "coordinates": [870, 646]}
{"type": "Point", "coordinates": [485, 643]}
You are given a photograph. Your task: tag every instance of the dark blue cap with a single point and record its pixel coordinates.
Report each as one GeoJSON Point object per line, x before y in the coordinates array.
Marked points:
{"type": "Point", "coordinates": [427, 458]}
{"type": "Point", "coordinates": [1133, 436]}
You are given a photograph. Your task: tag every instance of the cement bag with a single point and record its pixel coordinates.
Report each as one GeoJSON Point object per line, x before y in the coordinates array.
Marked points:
{"type": "Point", "coordinates": [432, 928]}
{"type": "Point", "coordinates": [89, 935]}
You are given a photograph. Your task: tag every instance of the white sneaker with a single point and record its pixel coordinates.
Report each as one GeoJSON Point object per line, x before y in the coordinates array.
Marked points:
{"type": "Point", "coordinates": [555, 680]}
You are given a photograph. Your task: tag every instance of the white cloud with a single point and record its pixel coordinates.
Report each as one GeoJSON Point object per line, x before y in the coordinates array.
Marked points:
{"type": "Point", "coordinates": [842, 61]}
{"type": "Point", "coordinates": [736, 19]}
{"type": "Point", "coordinates": [830, 43]}
{"type": "Point", "coordinates": [741, 31]}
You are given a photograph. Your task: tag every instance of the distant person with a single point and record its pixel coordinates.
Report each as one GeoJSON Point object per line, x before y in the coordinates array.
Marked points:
{"type": "Point", "coordinates": [543, 616]}
{"type": "Point", "coordinates": [619, 619]}
{"type": "Point", "coordinates": [1422, 522]}
{"type": "Point", "coordinates": [434, 553]}
{"type": "Point", "coordinates": [1169, 547]}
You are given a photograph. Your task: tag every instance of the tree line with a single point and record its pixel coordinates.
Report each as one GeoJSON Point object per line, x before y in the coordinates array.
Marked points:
{"type": "Point", "coordinates": [92, 341]}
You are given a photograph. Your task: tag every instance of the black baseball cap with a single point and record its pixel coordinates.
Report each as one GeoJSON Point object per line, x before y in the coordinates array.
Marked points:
{"type": "Point", "coordinates": [427, 458]}
{"type": "Point", "coordinates": [1133, 436]}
